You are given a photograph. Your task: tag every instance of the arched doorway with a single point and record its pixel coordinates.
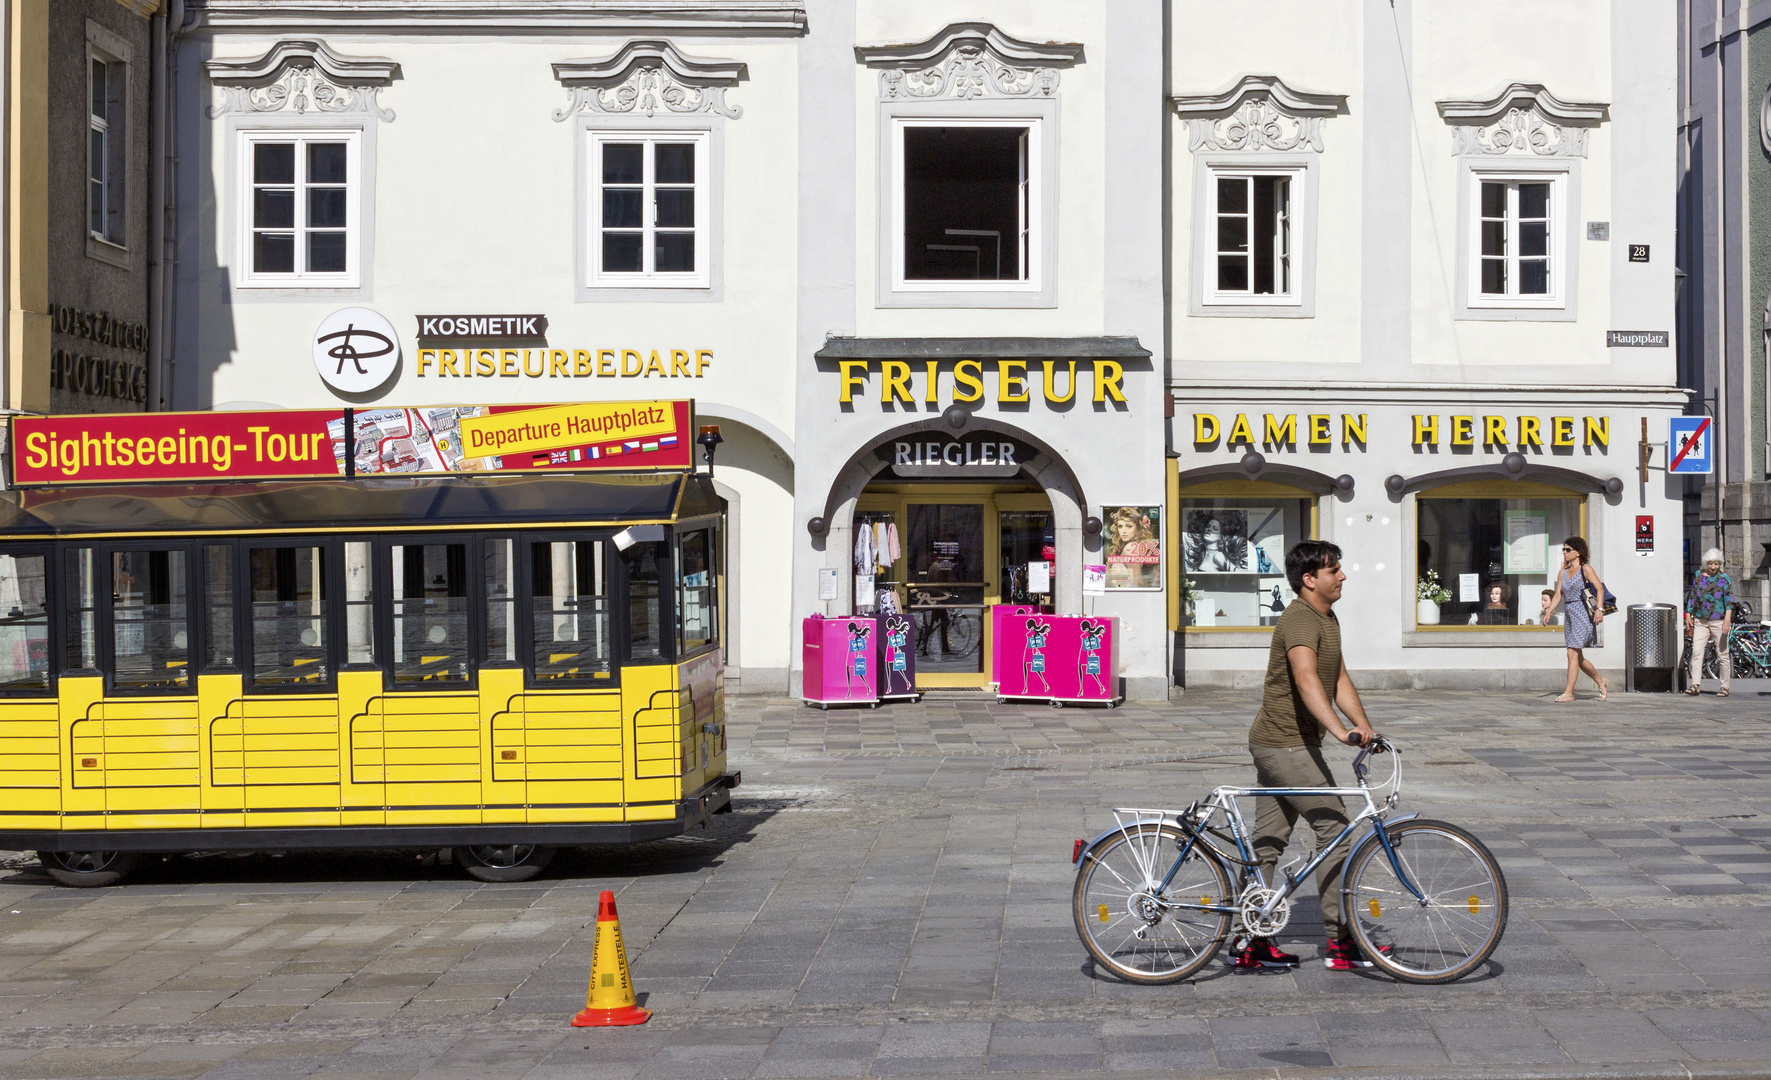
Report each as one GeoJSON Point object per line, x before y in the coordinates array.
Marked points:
{"type": "Point", "coordinates": [968, 517]}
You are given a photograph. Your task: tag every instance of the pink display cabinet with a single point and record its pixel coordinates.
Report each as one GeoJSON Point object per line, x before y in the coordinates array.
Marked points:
{"type": "Point", "coordinates": [841, 667]}
{"type": "Point", "coordinates": [896, 639]}
{"type": "Point", "coordinates": [1000, 616]}
{"type": "Point", "coordinates": [1057, 658]}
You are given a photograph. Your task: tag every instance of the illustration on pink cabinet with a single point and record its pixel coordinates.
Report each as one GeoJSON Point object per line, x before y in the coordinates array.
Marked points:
{"type": "Point", "coordinates": [1088, 660]}
{"type": "Point", "coordinates": [856, 671]}
{"type": "Point", "coordinates": [1038, 631]}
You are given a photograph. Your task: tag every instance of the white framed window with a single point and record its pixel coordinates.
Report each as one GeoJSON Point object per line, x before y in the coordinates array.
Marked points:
{"type": "Point", "coordinates": [1253, 247]}
{"type": "Point", "coordinates": [107, 127]}
{"type": "Point", "coordinates": [300, 209]}
{"type": "Point", "coordinates": [649, 209]}
{"type": "Point", "coordinates": [964, 193]}
{"type": "Point", "coordinates": [1249, 220]}
{"type": "Point", "coordinates": [1516, 244]}
{"type": "Point", "coordinates": [968, 204]}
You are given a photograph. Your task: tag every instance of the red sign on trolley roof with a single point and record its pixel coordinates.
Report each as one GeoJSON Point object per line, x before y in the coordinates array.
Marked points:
{"type": "Point", "coordinates": [630, 436]}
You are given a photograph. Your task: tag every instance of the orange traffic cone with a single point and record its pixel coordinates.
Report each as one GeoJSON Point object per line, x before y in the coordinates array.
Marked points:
{"type": "Point", "coordinates": [609, 1002]}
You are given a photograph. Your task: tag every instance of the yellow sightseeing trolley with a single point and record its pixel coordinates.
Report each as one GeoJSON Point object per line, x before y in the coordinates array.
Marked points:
{"type": "Point", "coordinates": [501, 665]}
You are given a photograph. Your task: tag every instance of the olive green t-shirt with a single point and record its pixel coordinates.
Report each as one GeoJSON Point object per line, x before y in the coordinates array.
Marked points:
{"type": "Point", "coordinates": [1284, 719]}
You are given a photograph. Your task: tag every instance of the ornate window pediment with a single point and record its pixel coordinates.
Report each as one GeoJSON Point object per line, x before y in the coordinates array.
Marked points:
{"type": "Point", "coordinates": [648, 77]}
{"type": "Point", "coordinates": [1523, 119]}
{"type": "Point", "coordinates": [969, 60]}
{"type": "Point", "coordinates": [1260, 112]}
{"type": "Point", "coordinates": [302, 76]}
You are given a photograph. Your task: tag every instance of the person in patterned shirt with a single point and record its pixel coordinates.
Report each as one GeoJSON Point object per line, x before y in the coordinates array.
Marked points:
{"type": "Point", "coordinates": [1709, 613]}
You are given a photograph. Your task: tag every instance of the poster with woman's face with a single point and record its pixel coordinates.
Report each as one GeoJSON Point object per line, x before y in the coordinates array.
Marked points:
{"type": "Point", "coordinates": [1215, 542]}
{"type": "Point", "coordinates": [1134, 547]}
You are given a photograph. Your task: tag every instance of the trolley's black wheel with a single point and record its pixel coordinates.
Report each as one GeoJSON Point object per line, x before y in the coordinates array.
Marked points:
{"type": "Point", "coordinates": [88, 869]}
{"type": "Point", "coordinates": [504, 862]}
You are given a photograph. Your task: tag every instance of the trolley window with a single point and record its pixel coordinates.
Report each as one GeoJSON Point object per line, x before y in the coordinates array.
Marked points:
{"type": "Point", "coordinates": [150, 620]}
{"type": "Point", "coordinates": [24, 623]}
{"type": "Point", "coordinates": [570, 594]}
{"type": "Point", "coordinates": [289, 639]}
{"type": "Point", "coordinates": [219, 601]}
{"type": "Point", "coordinates": [698, 614]}
{"type": "Point", "coordinates": [430, 613]}
{"type": "Point", "coordinates": [500, 571]}
{"type": "Point", "coordinates": [648, 636]}
{"type": "Point", "coordinates": [359, 603]}
{"type": "Point", "coordinates": [80, 610]}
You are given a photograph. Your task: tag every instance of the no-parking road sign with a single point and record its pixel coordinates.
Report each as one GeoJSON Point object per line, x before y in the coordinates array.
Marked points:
{"type": "Point", "coordinates": [1690, 445]}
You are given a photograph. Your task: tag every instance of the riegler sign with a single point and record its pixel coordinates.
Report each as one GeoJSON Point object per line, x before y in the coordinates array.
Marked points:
{"type": "Point", "coordinates": [314, 443]}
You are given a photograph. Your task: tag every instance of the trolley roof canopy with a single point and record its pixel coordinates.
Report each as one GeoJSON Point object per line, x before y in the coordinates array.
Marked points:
{"type": "Point", "coordinates": [488, 502]}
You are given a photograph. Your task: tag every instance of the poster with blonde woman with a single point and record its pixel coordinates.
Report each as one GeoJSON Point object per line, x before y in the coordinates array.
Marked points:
{"type": "Point", "coordinates": [1134, 548]}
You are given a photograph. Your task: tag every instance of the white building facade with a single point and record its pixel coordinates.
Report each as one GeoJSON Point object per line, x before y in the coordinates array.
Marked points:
{"type": "Point", "coordinates": [1422, 295]}
{"type": "Point", "coordinates": [1029, 291]}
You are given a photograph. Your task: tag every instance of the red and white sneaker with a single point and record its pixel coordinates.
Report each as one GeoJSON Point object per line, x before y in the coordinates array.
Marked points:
{"type": "Point", "coordinates": [1345, 955]}
{"type": "Point", "coordinates": [1260, 952]}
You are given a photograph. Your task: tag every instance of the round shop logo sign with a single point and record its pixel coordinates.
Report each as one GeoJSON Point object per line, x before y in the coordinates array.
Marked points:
{"type": "Point", "coordinates": [356, 351]}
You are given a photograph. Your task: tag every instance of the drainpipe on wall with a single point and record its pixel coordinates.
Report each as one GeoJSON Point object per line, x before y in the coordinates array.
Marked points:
{"type": "Point", "coordinates": [6, 402]}
{"type": "Point", "coordinates": [157, 209]}
{"type": "Point", "coordinates": [163, 340]}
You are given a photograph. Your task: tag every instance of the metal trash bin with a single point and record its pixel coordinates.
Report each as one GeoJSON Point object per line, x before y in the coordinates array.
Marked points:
{"type": "Point", "coordinates": [1652, 647]}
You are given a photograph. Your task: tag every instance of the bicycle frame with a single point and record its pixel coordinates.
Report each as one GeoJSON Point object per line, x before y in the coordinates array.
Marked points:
{"type": "Point", "coordinates": [1196, 821]}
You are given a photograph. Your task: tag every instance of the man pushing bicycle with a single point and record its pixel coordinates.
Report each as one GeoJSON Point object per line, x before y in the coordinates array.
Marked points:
{"type": "Point", "coordinates": [1286, 743]}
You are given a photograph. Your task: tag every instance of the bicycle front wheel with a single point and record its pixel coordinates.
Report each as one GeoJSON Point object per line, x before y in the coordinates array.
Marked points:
{"type": "Point", "coordinates": [962, 634]}
{"type": "Point", "coordinates": [1128, 920]}
{"type": "Point", "coordinates": [1454, 925]}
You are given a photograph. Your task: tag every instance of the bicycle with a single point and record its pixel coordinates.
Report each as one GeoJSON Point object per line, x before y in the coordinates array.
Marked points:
{"type": "Point", "coordinates": [1749, 647]}
{"type": "Point", "coordinates": [960, 631]}
{"type": "Point", "coordinates": [1426, 900]}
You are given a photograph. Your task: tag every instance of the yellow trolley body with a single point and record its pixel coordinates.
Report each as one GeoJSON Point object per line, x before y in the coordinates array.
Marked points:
{"type": "Point", "coordinates": [501, 666]}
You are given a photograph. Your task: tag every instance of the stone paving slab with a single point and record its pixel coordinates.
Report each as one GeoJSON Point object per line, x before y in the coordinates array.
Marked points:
{"type": "Point", "coordinates": [891, 898]}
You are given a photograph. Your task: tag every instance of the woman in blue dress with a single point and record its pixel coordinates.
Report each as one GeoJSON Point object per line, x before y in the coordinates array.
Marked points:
{"type": "Point", "coordinates": [1578, 629]}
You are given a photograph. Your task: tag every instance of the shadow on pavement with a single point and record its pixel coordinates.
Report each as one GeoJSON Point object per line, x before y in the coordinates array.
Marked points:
{"type": "Point", "coordinates": [686, 853]}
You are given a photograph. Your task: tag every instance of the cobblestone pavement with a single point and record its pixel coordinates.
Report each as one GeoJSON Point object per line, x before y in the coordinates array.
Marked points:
{"type": "Point", "coordinates": [891, 897]}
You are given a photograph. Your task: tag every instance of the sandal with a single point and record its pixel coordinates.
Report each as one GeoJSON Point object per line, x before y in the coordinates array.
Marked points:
{"type": "Point", "coordinates": [1692, 691]}
{"type": "Point", "coordinates": [1723, 692]}
{"type": "Point", "coordinates": [1565, 699]}
{"type": "Point", "coordinates": [1604, 690]}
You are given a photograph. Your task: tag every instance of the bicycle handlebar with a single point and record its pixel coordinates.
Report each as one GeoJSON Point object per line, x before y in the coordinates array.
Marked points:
{"type": "Point", "coordinates": [1378, 745]}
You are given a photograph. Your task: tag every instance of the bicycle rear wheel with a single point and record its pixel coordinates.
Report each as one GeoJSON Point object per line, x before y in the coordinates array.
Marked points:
{"type": "Point", "coordinates": [1127, 921]}
{"type": "Point", "coordinates": [1443, 937]}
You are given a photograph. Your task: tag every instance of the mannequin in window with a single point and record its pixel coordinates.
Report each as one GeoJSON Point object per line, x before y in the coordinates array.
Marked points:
{"type": "Point", "coordinates": [1497, 611]}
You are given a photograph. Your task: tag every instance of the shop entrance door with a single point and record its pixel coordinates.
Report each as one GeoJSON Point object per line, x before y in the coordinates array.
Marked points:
{"type": "Point", "coordinates": [959, 555]}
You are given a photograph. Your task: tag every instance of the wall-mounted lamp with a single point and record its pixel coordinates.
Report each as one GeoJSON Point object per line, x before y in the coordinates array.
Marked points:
{"type": "Point", "coordinates": [709, 440]}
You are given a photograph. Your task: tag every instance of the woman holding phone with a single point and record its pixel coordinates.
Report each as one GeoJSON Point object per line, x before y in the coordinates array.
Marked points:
{"type": "Point", "coordinates": [1579, 628]}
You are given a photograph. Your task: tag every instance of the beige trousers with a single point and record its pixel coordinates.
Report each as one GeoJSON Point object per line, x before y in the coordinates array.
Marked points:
{"type": "Point", "coordinates": [1702, 630]}
{"type": "Point", "coordinates": [1274, 818]}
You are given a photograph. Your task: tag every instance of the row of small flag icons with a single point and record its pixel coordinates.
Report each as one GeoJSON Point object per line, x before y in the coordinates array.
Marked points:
{"type": "Point", "coordinates": [596, 453]}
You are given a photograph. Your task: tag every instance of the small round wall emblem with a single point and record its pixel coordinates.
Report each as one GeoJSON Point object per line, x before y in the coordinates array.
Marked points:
{"type": "Point", "coordinates": [356, 351]}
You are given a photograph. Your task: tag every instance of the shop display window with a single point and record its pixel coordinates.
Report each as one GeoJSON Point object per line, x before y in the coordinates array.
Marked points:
{"type": "Point", "coordinates": [1232, 557]}
{"type": "Point", "coordinates": [1486, 562]}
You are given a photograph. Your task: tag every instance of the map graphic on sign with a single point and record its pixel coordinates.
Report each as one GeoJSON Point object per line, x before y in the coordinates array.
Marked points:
{"type": "Point", "coordinates": [398, 441]}
{"type": "Point", "coordinates": [1690, 445]}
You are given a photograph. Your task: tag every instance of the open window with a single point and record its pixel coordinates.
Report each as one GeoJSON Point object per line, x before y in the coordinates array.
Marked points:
{"type": "Point", "coordinates": [968, 208]}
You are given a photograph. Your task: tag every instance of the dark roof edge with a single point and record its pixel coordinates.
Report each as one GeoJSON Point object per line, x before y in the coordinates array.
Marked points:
{"type": "Point", "coordinates": [969, 348]}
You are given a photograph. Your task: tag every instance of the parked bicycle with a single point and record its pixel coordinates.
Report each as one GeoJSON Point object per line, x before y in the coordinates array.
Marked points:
{"type": "Point", "coordinates": [1749, 647]}
{"type": "Point", "coordinates": [1426, 901]}
{"type": "Point", "coordinates": [957, 629]}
